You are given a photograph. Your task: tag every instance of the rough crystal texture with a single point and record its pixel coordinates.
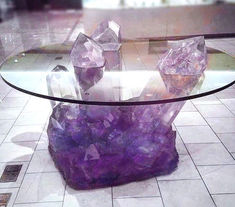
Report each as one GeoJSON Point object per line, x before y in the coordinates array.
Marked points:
{"type": "Point", "coordinates": [87, 77]}
{"type": "Point", "coordinates": [98, 146]}
{"type": "Point", "coordinates": [58, 80]}
{"type": "Point", "coordinates": [86, 53]}
{"type": "Point", "coordinates": [113, 60]}
{"type": "Point", "coordinates": [107, 34]}
{"type": "Point", "coordinates": [187, 57]}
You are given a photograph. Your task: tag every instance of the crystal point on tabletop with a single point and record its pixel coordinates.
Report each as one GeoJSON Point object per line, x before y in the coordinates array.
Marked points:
{"type": "Point", "coordinates": [107, 34]}
{"type": "Point", "coordinates": [86, 53]}
{"type": "Point", "coordinates": [186, 57]}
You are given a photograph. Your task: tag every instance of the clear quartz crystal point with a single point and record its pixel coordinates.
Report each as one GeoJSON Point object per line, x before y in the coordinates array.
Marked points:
{"type": "Point", "coordinates": [86, 53]}
{"type": "Point", "coordinates": [61, 83]}
{"type": "Point", "coordinates": [107, 34]}
{"type": "Point", "coordinates": [186, 57]}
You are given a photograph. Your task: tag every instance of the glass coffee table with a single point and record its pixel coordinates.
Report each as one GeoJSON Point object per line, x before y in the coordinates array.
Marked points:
{"type": "Point", "coordinates": [113, 126]}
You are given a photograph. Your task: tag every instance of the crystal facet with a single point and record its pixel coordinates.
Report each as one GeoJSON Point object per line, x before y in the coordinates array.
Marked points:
{"type": "Point", "coordinates": [87, 77]}
{"type": "Point", "coordinates": [107, 34]}
{"type": "Point", "coordinates": [186, 57]}
{"type": "Point", "coordinates": [86, 53]}
{"type": "Point", "coordinates": [98, 146]}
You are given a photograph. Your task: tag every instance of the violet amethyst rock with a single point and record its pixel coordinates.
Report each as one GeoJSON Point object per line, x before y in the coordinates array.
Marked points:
{"type": "Point", "coordinates": [86, 53]}
{"type": "Point", "coordinates": [107, 34]}
{"type": "Point", "coordinates": [87, 77]}
{"type": "Point", "coordinates": [88, 61]}
{"type": "Point", "coordinates": [99, 146]}
{"type": "Point", "coordinates": [186, 57]}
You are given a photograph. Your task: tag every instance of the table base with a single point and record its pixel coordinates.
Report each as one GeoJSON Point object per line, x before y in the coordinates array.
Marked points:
{"type": "Point", "coordinates": [91, 153]}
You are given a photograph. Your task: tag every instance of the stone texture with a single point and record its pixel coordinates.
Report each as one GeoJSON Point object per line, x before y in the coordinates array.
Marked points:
{"type": "Point", "coordinates": [88, 77]}
{"type": "Point", "coordinates": [186, 57]}
{"type": "Point", "coordinates": [98, 146]}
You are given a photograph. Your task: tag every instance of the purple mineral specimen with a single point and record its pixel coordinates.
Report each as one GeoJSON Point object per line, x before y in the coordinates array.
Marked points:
{"type": "Point", "coordinates": [98, 146]}
{"type": "Point", "coordinates": [186, 57]}
{"type": "Point", "coordinates": [86, 53]}
{"type": "Point", "coordinates": [107, 34]}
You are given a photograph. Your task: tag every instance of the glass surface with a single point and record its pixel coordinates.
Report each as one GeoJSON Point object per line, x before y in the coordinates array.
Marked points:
{"type": "Point", "coordinates": [135, 80]}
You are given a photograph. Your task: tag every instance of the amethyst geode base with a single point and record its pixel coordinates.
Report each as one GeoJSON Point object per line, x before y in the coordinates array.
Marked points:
{"type": "Point", "coordinates": [100, 146]}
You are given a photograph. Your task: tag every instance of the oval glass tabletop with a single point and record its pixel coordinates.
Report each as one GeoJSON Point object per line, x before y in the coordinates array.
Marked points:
{"type": "Point", "coordinates": [133, 79]}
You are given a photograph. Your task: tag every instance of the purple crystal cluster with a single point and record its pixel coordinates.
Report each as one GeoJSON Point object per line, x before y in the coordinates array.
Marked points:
{"type": "Point", "coordinates": [98, 146]}
{"type": "Point", "coordinates": [186, 57]}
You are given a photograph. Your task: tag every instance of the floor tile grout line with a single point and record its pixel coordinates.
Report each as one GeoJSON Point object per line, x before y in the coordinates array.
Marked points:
{"type": "Point", "coordinates": [199, 173]}
{"type": "Point", "coordinates": [179, 179]}
{"type": "Point", "coordinates": [41, 202]}
{"type": "Point", "coordinates": [112, 198]}
{"type": "Point", "coordinates": [216, 165]}
{"type": "Point", "coordinates": [223, 193]}
{"type": "Point", "coordinates": [160, 192]}
{"type": "Point", "coordinates": [137, 197]}
{"type": "Point", "coordinates": [65, 188]}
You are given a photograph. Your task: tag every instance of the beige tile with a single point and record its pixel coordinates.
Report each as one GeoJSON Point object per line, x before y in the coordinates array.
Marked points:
{"type": "Point", "coordinates": [84, 198]}
{"type": "Point", "coordinates": [228, 140]}
{"type": "Point", "coordinates": [138, 202]}
{"type": "Point", "coordinates": [230, 103]}
{"type": "Point", "coordinates": [224, 200]}
{"type": "Point", "coordinates": [135, 189]}
{"type": "Point", "coordinates": [43, 142]}
{"type": "Point", "coordinates": [222, 125]}
{"type": "Point", "coordinates": [16, 152]}
{"type": "Point", "coordinates": [214, 111]}
{"type": "Point", "coordinates": [24, 133]}
{"type": "Point", "coordinates": [41, 187]}
{"type": "Point", "coordinates": [197, 134]}
{"type": "Point", "coordinates": [211, 99]}
{"type": "Point", "coordinates": [209, 154]}
{"type": "Point", "coordinates": [185, 193]}
{"type": "Point", "coordinates": [41, 162]}
{"type": "Point", "coordinates": [188, 107]}
{"type": "Point", "coordinates": [189, 119]}
{"type": "Point", "coordinates": [219, 179]}
{"type": "Point", "coordinates": [9, 113]}
{"type": "Point", "coordinates": [5, 126]}
{"type": "Point", "coordinates": [13, 102]}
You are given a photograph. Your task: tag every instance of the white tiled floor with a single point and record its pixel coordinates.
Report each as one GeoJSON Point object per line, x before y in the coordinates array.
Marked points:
{"type": "Point", "coordinates": [205, 141]}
